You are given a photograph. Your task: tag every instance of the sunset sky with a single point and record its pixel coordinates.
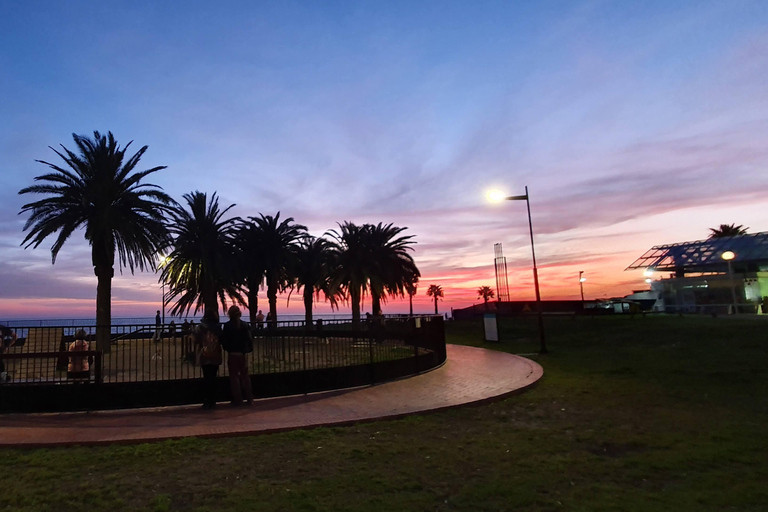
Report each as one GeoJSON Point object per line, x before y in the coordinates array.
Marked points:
{"type": "Point", "coordinates": [632, 123]}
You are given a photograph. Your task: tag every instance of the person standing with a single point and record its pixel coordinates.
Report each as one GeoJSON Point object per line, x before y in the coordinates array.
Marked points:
{"type": "Point", "coordinates": [237, 341]}
{"type": "Point", "coordinates": [158, 326]}
{"type": "Point", "coordinates": [260, 320]}
{"type": "Point", "coordinates": [207, 337]}
{"type": "Point", "coordinates": [9, 339]}
{"type": "Point", "coordinates": [79, 367]}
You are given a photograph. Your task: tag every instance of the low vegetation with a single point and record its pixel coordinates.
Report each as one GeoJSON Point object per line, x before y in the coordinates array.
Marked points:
{"type": "Point", "coordinates": [634, 414]}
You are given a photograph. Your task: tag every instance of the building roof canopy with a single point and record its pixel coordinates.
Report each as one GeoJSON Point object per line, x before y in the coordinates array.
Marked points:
{"type": "Point", "coordinates": [705, 255]}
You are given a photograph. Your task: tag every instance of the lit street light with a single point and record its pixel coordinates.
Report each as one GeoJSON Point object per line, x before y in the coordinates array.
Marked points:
{"type": "Point", "coordinates": [163, 262]}
{"type": "Point", "coordinates": [497, 196]}
{"type": "Point", "coordinates": [728, 256]}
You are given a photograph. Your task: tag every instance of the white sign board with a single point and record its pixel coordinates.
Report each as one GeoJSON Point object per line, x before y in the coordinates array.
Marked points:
{"type": "Point", "coordinates": [491, 327]}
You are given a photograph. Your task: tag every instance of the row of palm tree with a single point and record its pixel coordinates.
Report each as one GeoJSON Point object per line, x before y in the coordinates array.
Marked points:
{"type": "Point", "coordinates": [211, 259]}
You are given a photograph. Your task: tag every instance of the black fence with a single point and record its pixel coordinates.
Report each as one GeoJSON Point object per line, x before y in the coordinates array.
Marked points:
{"type": "Point", "coordinates": [149, 366]}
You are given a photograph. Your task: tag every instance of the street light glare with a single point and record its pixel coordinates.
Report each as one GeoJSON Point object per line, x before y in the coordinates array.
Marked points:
{"type": "Point", "coordinates": [495, 196]}
{"type": "Point", "coordinates": [728, 255]}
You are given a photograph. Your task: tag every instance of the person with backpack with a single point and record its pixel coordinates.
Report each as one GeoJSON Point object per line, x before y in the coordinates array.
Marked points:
{"type": "Point", "coordinates": [237, 340]}
{"type": "Point", "coordinates": [79, 367]}
{"type": "Point", "coordinates": [208, 348]}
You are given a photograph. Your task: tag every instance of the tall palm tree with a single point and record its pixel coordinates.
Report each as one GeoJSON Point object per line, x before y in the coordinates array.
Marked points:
{"type": "Point", "coordinates": [435, 291]}
{"type": "Point", "coordinates": [313, 264]}
{"type": "Point", "coordinates": [250, 265]}
{"type": "Point", "coordinates": [392, 268]}
{"type": "Point", "coordinates": [278, 241]}
{"type": "Point", "coordinates": [727, 230]}
{"type": "Point", "coordinates": [201, 270]}
{"type": "Point", "coordinates": [411, 288]}
{"type": "Point", "coordinates": [352, 264]}
{"type": "Point", "coordinates": [101, 192]}
{"type": "Point", "coordinates": [486, 293]}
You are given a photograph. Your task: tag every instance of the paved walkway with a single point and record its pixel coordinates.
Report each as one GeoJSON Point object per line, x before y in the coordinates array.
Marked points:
{"type": "Point", "coordinates": [470, 375]}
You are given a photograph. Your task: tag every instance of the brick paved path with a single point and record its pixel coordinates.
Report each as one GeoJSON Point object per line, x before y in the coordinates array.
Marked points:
{"type": "Point", "coordinates": [470, 375]}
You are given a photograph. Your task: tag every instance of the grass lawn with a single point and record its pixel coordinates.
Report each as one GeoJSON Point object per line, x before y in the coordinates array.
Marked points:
{"type": "Point", "coordinates": [635, 414]}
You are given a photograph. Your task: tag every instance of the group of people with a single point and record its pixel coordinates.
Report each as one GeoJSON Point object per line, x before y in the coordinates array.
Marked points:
{"type": "Point", "coordinates": [210, 340]}
{"type": "Point", "coordinates": [78, 366]}
{"type": "Point", "coordinates": [236, 339]}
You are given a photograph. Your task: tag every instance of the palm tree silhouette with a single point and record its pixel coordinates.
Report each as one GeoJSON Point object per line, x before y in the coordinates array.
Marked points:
{"type": "Point", "coordinates": [277, 252]}
{"type": "Point", "coordinates": [436, 291]}
{"type": "Point", "coordinates": [727, 230]}
{"type": "Point", "coordinates": [352, 264]}
{"type": "Point", "coordinates": [485, 292]}
{"type": "Point", "coordinates": [392, 268]}
{"type": "Point", "coordinates": [200, 269]}
{"type": "Point", "coordinates": [313, 263]}
{"type": "Point", "coordinates": [250, 264]}
{"type": "Point", "coordinates": [101, 192]}
{"type": "Point", "coordinates": [411, 288]}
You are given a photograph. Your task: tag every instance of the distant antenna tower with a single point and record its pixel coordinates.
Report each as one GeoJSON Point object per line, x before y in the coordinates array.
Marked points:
{"type": "Point", "coordinates": [500, 262]}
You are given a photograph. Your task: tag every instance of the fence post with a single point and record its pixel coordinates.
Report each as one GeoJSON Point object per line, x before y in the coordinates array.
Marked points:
{"type": "Point", "coordinates": [370, 351]}
{"type": "Point", "coordinates": [98, 374]}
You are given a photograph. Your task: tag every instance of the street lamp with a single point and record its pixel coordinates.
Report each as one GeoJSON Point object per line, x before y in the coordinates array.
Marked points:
{"type": "Point", "coordinates": [581, 286]}
{"type": "Point", "coordinates": [728, 256]}
{"type": "Point", "coordinates": [497, 196]}
{"type": "Point", "coordinates": [163, 262]}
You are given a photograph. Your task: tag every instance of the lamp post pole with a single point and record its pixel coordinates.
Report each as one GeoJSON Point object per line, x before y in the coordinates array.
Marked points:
{"type": "Point", "coordinates": [581, 286]}
{"type": "Point", "coordinates": [163, 302]}
{"type": "Point", "coordinates": [539, 313]}
{"type": "Point", "coordinates": [163, 262]}
{"type": "Point", "coordinates": [728, 256]}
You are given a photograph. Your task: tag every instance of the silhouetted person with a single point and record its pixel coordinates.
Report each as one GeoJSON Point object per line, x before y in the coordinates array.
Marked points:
{"type": "Point", "coordinates": [260, 320]}
{"type": "Point", "coordinates": [158, 326]}
{"type": "Point", "coordinates": [208, 346]}
{"type": "Point", "coordinates": [237, 341]}
{"type": "Point", "coordinates": [79, 368]}
{"type": "Point", "coordinates": [9, 340]}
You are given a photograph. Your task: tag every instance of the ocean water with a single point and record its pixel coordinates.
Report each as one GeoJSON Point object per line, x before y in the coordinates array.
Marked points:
{"type": "Point", "coordinates": [147, 320]}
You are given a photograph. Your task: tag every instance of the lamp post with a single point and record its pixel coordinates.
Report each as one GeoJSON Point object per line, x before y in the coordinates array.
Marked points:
{"type": "Point", "coordinates": [163, 262]}
{"type": "Point", "coordinates": [498, 196]}
{"type": "Point", "coordinates": [728, 256]}
{"type": "Point", "coordinates": [581, 286]}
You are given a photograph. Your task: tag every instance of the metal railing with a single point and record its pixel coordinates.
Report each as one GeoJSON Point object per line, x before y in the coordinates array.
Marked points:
{"type": "Point", "coordinates": [146, 353]}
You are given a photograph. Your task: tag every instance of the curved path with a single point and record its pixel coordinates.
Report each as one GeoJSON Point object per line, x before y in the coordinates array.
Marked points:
{"type": "Point", "coordinates": [471, 375]}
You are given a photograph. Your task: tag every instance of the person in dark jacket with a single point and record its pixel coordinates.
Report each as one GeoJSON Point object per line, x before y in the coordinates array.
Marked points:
{"type": "Point", "coordinates": [237, 340]}
{"type": "Point", "coordinates": [207, 343]}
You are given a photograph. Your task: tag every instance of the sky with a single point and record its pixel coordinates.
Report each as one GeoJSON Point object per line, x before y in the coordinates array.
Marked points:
{"type": "Point", "coordinates": [632, 124]}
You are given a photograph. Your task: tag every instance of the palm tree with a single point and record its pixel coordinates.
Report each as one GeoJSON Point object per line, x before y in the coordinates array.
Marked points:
{"type": "Point", "coordinates": [436, 291]}
{"type": "Point", "coordinates": [314, 261]}
{"type": "Point", "coordinates": [201, 268]}
{"type": "Point", "coordinates": [727, 230]}
{"type": "Point", "coordinates": [278, 241]}
{"type": "Point", "coordinates": [411, 288]}
{"type": "Point", "coordinates": [392, 268]}
{"type": "Point", "coordinates": [250, 265]}
{"type": "Point", "coordinates": [121, 215]}
{"type": "Point", "coordinates": [352, 264]}
{"type": "Point", "coordinates": [486, 292]}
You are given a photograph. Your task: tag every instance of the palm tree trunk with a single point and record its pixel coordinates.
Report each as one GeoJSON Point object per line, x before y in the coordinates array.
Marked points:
{"type": "Point", "coordinates": [308, 307]}
{"type": "Point", "coordinates": [375, 302]}
{"type": "Point", "coordinates": [253, 303]}
{"type": "Point", "coordinates": [354, 297]}
{"type": "Point", "coordinates": [410, 302]}
{"type": "Point", "coordinates": [211, 306]}
{"type": "Point", "coordinates": [272, 298]}
{"type": "Point", "coordinates": [435, 304]}
{"type": "Point", "coordinates": [104, 275]}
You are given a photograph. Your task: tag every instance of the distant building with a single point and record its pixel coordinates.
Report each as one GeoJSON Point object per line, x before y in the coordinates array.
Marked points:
{"type": "Point", "coordinates": [700, 280]}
